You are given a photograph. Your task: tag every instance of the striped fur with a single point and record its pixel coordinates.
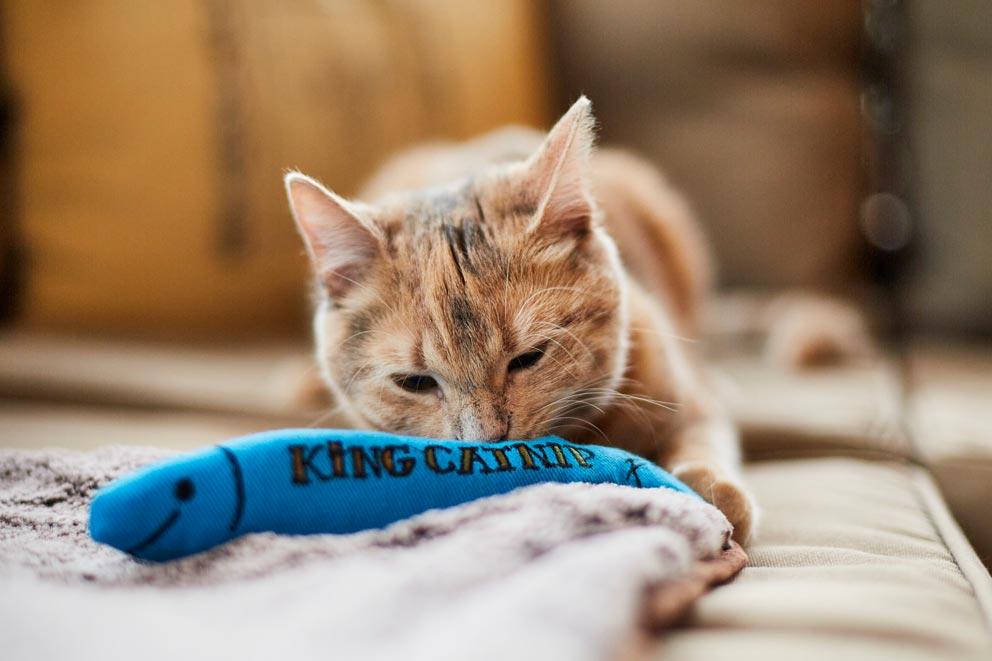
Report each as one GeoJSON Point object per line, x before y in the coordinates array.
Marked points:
{"type": "Point", "coordinates": [453, 281]}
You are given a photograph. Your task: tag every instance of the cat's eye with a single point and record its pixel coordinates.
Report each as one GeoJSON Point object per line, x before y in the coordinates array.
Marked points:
{"type": "Point", "coordinates": [525, 360]}
{"type": "Point", "coordinates": [420, 383]}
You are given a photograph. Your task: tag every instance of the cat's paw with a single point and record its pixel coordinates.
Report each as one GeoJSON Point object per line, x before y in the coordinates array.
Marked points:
{"type": "Point", "coordinates": [725, 493]}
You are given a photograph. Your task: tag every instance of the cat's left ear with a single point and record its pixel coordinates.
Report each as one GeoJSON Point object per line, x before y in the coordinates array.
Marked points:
{"type": "Point", "coordinates": [559, 174]}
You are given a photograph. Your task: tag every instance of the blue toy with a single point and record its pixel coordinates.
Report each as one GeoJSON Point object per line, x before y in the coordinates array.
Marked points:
{"type": "Point", "coordinates": [308, 481]}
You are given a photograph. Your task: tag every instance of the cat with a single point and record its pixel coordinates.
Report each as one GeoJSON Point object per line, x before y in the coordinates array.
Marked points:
{"type": "Point", "coordinates": [521, 285]}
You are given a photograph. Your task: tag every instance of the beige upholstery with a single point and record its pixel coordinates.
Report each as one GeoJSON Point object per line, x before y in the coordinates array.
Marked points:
{"type": "Point", "coordinates": [256, 378]}
{"type": "Point", "coordinates": [81, 427]}
{"type": "Point", "coordinates": [855, 560]}
{"type": "Point", "coordinates": [943, 420]}
{"type": "Point", "coordinates": [857, 556]}
{"type": "Point", "coordinates": [950, 417]}
{"type": "Point", "coordinates": [784, 413]}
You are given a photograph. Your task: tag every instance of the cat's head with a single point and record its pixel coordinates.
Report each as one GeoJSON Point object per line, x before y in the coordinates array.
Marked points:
{"type": "Point", "coordinates": [492, 308]}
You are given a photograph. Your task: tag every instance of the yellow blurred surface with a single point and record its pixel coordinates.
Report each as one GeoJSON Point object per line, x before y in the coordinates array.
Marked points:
{"type": "Point", "coordinates": [155, 136]}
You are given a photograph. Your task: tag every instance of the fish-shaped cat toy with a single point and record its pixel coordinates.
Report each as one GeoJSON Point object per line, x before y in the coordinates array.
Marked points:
{"type": "Point", "coordinates": [312, 481]}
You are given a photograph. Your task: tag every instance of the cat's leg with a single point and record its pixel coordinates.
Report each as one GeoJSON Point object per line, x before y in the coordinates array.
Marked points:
{"type": "Point", "coordinates": [700, 444]}
{"type": "Point", "coordinates": [704, 453]}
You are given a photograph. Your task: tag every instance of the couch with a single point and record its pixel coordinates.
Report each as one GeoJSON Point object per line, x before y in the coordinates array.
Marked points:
{"type": "Point", "coordinates": [865, 477]}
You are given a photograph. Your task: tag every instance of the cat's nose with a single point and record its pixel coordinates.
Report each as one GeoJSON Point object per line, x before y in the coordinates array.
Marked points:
{"type": "Point", "coordinates": [483, 428]}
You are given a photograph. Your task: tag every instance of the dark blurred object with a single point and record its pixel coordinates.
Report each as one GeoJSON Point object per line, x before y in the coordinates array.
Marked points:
{"type": "Point", "coordinates": [751, 107]}
{"type": "Point", "coordinates": [10, 255]}
{"type": "Point", "coordinates": [11, 264]}
{"type": "Point", "coordinates": [949, 114]}
{"type": "Point", "coordinates": [887, 218]}
{"type": "Point", "coordinates": [154, 137]}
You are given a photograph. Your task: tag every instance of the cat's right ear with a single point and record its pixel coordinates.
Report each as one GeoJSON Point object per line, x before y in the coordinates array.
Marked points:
{"type": "Point", "coordinates": [558, 175]}
{"type": "Point", "coordinates": [341, 240]}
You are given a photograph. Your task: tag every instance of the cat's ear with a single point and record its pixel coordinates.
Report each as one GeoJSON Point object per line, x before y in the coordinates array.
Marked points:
{"type": "Point", "coordinates": [559, 174]}
{"type": "Point", "coordinates": [341, 240]}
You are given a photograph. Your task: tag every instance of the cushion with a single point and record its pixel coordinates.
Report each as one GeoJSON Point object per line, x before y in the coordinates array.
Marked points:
{"type": "Point", "coordinates": [841, 410]}
{"type": "Point", "coordinates": [942, 421]}
{"type": "Point", "coordinates": [854, 559]}
{"type": "Point", "coordinates": [256, 378]}
{"type": "Point", "coordinates": [951, 424]}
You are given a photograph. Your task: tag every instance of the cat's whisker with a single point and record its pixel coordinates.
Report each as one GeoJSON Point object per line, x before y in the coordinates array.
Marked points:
{"type": "Point", "coordinates": [362, 369]}
{"type": "Point", "coordinates": [648, 419]}
{"type": "Point", "coordinates": [587, 396]}
{"type": "Point", "coordinates": [583, 423]}
{"type": "Point", "coordinates": [562, 408]}
{"type": "Point", "coordinates": [573, 397]}
{"type": "Point", "coordinates": [546, 290]}
{"type": "Point", "coordinates": [668, 406]}
{"type": "Point", "coordinates": [573, 404]}
{"type": "Point", "coordinates": [326, 415]}
{"type": "Point", "coordinates": [524, 306]}
{"type": "Point", "coordinates": [354, 335]}
{"type": "Point", "coordinates": [368, 289]}
{"type": "Point", "coordinates": [570, 333]}
{"type": "Point", "coordinates": [554, 402]}
{"type": "Point", "coordinates": [550, 339]}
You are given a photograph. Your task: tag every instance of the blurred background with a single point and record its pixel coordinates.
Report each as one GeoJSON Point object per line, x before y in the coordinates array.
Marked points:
{"type": "Point", "coordinates": [153, 288]}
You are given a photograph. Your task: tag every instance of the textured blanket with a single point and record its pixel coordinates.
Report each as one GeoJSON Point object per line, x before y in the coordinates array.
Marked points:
{"type": "Point", "coordinates": [551, 572]}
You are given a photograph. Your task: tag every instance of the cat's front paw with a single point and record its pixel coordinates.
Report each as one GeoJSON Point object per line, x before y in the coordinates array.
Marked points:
{"type": "Point", "coordinates": [725, 493]}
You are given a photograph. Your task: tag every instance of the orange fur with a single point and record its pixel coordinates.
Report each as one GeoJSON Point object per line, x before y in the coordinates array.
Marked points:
{"type": "Point", "coordinates": [480, 295]}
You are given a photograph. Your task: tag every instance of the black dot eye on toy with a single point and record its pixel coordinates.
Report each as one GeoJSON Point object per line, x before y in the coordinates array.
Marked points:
{"type": "Point", "coordinates": [184, 489]}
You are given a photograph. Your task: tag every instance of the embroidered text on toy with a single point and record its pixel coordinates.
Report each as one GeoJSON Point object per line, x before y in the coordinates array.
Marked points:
{"type": "Point", "coordinates": [334, 459]}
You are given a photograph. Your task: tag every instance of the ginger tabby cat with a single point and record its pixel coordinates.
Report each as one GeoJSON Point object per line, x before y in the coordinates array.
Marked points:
{"type": "Point", "coordinates": [511, 287]}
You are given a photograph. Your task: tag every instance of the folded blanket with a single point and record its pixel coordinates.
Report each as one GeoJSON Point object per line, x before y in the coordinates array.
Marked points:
{"type": "Point", "coordinates": [554, 571]}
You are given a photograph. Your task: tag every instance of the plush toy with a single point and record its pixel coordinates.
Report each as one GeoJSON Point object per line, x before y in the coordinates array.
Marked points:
{"type": "Point", "coordinates": [308, 481]}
